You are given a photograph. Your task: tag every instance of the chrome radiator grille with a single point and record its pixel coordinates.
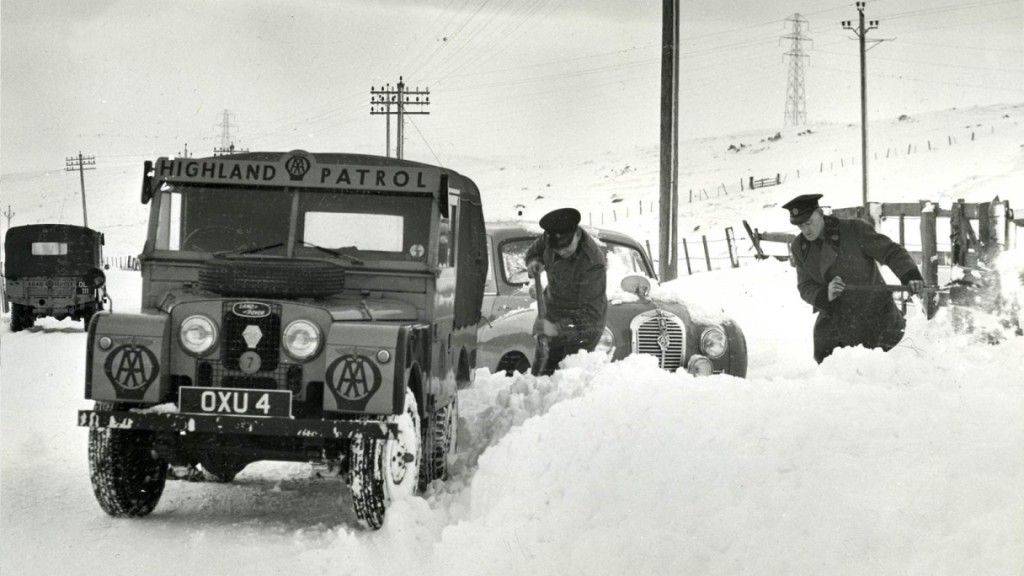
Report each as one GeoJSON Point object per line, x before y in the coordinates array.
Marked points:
{"type": "Point", "coordinates": [660, 334]}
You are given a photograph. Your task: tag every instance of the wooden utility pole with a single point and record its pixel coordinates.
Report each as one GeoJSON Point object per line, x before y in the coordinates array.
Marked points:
{"type": "Point", "coordinates": [81, 164]}
{"type": "Point", "coordinates": [8, 214]}
{"type": "Point", "coordinates": [668, 259]}
{"type": "Point", "coordinates": [862, 32]}
{"type": "Point", "coordinates": [381, 101]}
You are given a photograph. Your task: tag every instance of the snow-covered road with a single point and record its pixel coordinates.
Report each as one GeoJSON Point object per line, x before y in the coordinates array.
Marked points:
{"type": "Point", "coordinates": [901, 463]}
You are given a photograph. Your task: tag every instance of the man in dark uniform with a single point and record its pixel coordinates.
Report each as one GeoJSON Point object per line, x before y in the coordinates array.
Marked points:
{"type": "Point", "coordinates": [575, 295]}
{"type": "Point", "coordinates": [830, 254]}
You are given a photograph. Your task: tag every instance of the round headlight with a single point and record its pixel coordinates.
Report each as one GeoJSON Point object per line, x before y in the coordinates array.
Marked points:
{"type": "Point", "coordinates": [301, 339]}
{"type": "Point", "coordinates": [700, 365]}
{"type": "Point", "coordinates": [714, 342]}
{"type": "Point", "coordinates": [198, 334]}
{"type": "Point", "coordinates": [607, 342]}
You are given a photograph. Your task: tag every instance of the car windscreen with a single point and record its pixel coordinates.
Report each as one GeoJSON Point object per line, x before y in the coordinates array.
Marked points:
{"type": "Point", "coordinates": [623, 260]}
{"type": "Point", "coordinates": [380, 226]}
{"type": "Point", "coordinates": [372, 225]}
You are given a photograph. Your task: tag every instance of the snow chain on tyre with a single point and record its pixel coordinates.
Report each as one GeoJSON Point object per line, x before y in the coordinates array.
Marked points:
{"type": "Point", "coordinates": [126, 477]}
{"type": "Point", "coordinates": [293, 278]}
{"type": "Point", "coordinates": [440, 439]}
{"type": "Point", "coordinates": [381, 469]}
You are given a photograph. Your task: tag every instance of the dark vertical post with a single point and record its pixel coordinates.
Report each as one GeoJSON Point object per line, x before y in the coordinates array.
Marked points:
{"type": "Point", "coordinates": [707, 255]}
{"type": "Point", "coordinates": [686, 252]}
{"type": "Point", "coordinates": [400, 146]}
{"type": "Point", "coordinates": [669, 111]}
{"type": "Point", "coordinates": [929, 253]}
{"type": "Point", "coordinates": [733, 259]}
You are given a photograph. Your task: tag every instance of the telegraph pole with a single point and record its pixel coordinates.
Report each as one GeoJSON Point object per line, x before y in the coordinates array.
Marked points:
{"type": "Point", "coordinates": [796, 104]}
{"type": "Point", "coordinates": [8, 214]}
{"type": "Point", "coordinates": [861, 31]}
{"type": "Point", "coordinates": [81, 164]}
{"type": "Point", "coordinates": [381, 101]}
{"type": "Point", "coordinates": [669, 139]}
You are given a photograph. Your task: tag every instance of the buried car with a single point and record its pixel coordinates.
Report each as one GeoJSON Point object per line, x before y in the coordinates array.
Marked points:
{"type": "Point", "coordinates": [679, 334]}
{"type": "Point", "coordinates": [53, 270]}
{"type": "Point", "coordinates": [298, 307]}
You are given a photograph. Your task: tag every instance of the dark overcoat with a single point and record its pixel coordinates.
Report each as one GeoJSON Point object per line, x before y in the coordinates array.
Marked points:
{"type": "Point", "coordinates": [575, 294]}
{"type": "Point", "coordinates": [852, 250]}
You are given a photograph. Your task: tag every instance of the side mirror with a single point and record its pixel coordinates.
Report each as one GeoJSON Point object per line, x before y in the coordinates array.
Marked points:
{"type": "Point", "coordinates": [636, 284]}
{"type": "Point", "coordinates": [147, 182]}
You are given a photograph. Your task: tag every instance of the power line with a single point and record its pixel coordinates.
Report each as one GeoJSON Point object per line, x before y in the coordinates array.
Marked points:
{"type": "Point", "coordinates": [381, 101]}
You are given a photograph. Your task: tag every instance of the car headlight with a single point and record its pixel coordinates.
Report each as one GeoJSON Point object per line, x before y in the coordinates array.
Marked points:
{"type": "Point", "coordinates": [301, 339]}
{"type": "Point", "coordinates": [198, 334]}
{"type": "Point", "coordinates": [700, 365]}
{"type": "Point", "coordinates": [714, 342]}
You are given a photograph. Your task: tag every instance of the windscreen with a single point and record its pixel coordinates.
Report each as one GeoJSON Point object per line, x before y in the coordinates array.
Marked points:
{"type": "Point", "coordinates": [623, 260]}
{"type": "Point", "coordinates": [377, 225]}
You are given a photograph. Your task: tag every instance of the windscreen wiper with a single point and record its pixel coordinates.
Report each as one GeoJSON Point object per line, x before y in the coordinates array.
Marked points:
{"type": "Point", "coordinates": [335, 253]}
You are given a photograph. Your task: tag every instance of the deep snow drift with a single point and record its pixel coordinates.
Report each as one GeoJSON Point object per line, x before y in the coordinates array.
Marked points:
{"type": "Point", "coordinates": [907, 462]}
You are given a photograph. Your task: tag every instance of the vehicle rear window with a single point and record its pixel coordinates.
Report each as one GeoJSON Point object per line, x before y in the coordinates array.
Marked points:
{"type": "Point", "coordinates": [49, 248]}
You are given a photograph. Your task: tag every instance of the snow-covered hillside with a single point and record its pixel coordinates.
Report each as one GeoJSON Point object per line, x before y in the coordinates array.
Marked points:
{"type": "Point", "coordinates": [871, 463]}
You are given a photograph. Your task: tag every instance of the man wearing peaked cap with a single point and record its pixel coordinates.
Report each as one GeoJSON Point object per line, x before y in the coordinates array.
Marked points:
{"type": "Point", "coordinates": [831, 254]}
{"type": "Point", "coordinates": [575, 295]}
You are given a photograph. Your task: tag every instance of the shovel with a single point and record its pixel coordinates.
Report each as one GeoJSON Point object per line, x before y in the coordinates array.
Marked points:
{"type": "Point", "coordinates": [543, 351]}
{"type": "Point", "coordinates": [927, 294]}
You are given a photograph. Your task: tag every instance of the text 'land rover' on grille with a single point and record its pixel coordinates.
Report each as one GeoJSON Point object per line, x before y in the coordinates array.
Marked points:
{"type": "Point", "coordinates": [295, 306]}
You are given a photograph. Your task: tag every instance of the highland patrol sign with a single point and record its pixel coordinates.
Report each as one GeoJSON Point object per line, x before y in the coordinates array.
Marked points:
{"type": "Point", "coordinates": [297, 169]}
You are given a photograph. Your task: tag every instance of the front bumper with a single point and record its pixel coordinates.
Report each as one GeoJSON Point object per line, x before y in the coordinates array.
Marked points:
{"type": "Point", "coordinates": [239, 425]}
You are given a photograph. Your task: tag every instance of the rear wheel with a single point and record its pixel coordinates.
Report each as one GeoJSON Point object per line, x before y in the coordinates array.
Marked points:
{"type": "Point", "coordinates": [384, 470]}
{"type": "Point", "coordinates": [440, 438]}
{"type": "Point", "coordinates": [514, 362]}
{"type": "Point", "coordinates": [21, 317]}
{"type": "Point", "coordinates": [127, 477]}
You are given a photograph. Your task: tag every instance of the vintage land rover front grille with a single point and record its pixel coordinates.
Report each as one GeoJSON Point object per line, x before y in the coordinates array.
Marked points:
{"type": "Point", "coordinates": [661, 334]}
{"type": "Point", "coordinates": [234, 344]}
{"type": "Point", "coordinates": [282, 377]}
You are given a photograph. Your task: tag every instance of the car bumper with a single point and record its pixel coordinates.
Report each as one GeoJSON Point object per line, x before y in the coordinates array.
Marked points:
{"type": "Point", "coordinates": [238, 425]}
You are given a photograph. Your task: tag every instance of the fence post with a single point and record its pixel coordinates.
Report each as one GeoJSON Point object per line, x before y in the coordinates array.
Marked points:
{"type": "Point", "coordinates": [707, 255]}
{"type": "Point", "coordinates": [949, 140]}
{"type": "Point", "coordinates": [903, 234]}
{"type": "Point", "coordinates": [741, 184]}
{"type": "Point", "coordinates": [908, 148]}
{"type": "Point", "coordinates": [641, 207]}
{"type": "Point", "coordinates": [842, 164]}
{"type": "Point", "coordinates": [972, 136]}
{"type": "Point", "coordinates": [686, 252]}
{"type": "Point", "coordinates": [733, 259]}
{"type": "Point", "coordinates": [821, 167]}
{"type": "Point", "coordinates": [929, 253]}
{"type": "Point", "coordinates": [929, 145]}
{"type": "Point", "coordinates": [691, 195]}
{"type": "Point", "coordinates": [648, 243]}
{"type": "Point", "coordinates": [751, 182]}
{"type": "Point", "coordinates": [798, 173]}
{"type": "Point", "coordinates": [778, 178]}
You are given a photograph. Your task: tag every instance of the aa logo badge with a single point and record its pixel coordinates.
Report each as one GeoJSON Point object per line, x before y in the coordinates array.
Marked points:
{"type": "Point", "coordinates": [131, 368]}
{"type": "Point", "coordinates": [353, 379]}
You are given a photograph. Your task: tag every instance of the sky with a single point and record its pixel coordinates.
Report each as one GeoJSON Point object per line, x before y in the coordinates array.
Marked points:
{"type": "Point", "coordinates": [510, 80]}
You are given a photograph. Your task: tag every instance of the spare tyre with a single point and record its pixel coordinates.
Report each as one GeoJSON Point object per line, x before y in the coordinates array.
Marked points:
{"type": "Point", "coordinates": [291, 278]}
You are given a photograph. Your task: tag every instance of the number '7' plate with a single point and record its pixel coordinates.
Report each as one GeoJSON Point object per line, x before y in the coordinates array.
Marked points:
{"type": "Point", "coordinates": [235, 401]}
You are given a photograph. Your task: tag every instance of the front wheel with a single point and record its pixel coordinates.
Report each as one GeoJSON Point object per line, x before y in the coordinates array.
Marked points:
{"type": "Point", "coordinates": [382, 471]}
{"type": "Point", "coordinates": [127, 477]}
{"type": "Point", "coordinates": [21, 317]}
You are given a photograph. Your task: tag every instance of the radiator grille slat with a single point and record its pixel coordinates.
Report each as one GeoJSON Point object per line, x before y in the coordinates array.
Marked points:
{"type": "Point", "coordinates": [660, 334]}
{"type": "Point", "coordinates": [234, 344]}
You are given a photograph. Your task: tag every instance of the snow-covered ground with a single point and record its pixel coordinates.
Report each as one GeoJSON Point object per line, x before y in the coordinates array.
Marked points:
{"type": "Point", "coordinates": [910, 462]}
